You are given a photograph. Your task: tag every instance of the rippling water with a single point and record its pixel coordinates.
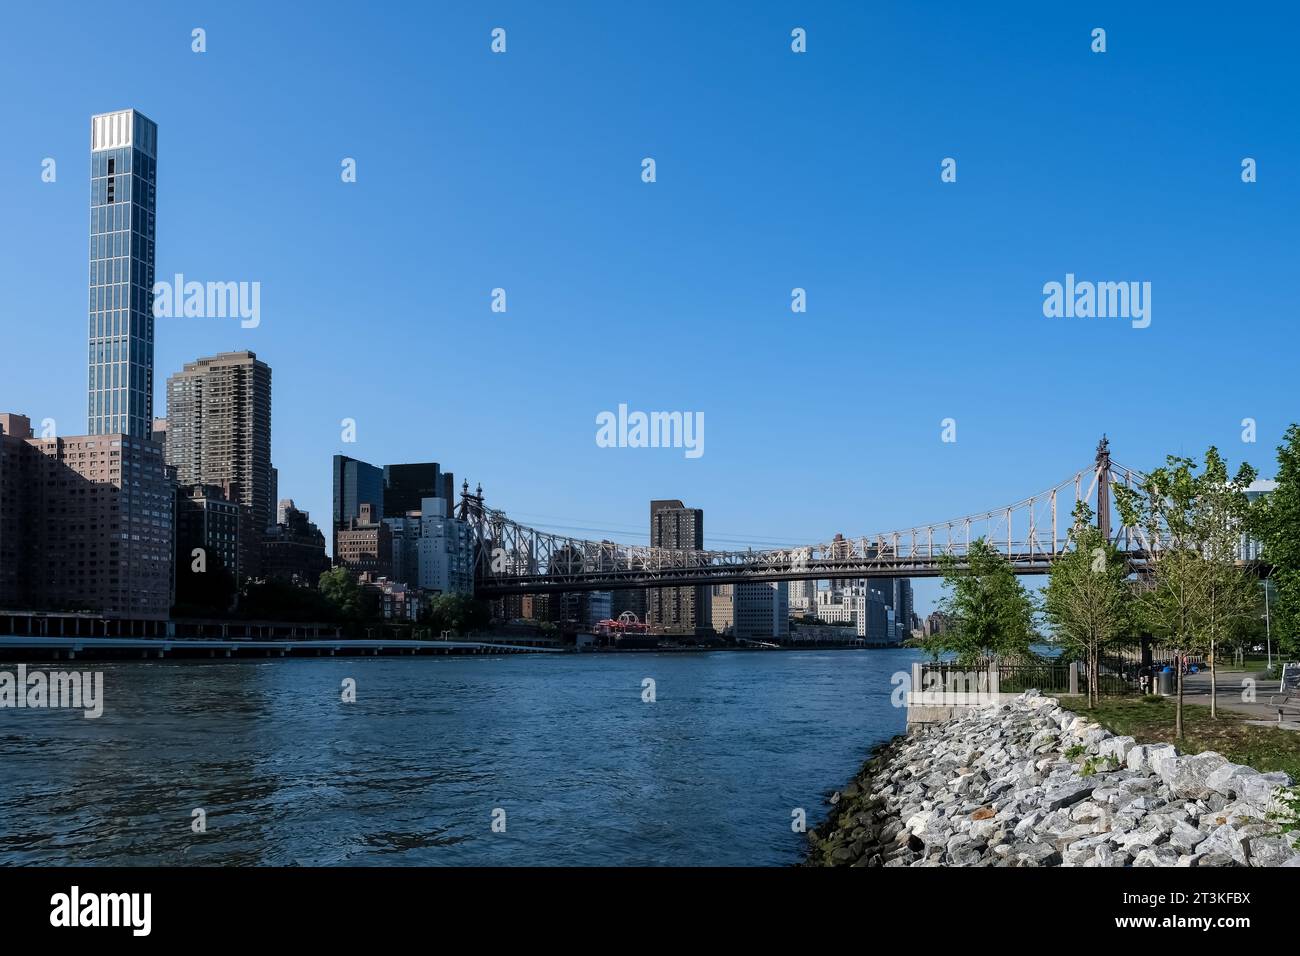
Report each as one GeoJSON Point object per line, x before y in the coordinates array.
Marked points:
{"type": "Point", "coordinates": [410, 774]}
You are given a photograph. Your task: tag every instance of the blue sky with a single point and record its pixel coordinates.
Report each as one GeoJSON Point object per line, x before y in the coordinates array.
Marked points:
{"type": "Point", "coordinates": [775, 170]}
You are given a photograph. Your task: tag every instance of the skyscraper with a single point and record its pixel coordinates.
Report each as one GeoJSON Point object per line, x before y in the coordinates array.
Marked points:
{"type": "Point", "coordinates": [687, 610]}
{"type": "Point", "coordinates": [123, 165]}
{"type": "Point", "coordinates": [406, 486]}
{"type": "Point", "coordinates": [395, 490]}
{"type": "Point", "coordinates": [219, 429]}
{"type": "Point", "coordinates": [356, 483]}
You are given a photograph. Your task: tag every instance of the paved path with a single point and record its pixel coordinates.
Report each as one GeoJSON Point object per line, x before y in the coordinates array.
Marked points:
{"type": "Point", "coordinates": [1230, 688]}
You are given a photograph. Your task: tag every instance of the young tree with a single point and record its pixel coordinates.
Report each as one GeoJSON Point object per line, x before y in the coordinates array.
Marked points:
{"type": "Point", "coordinates": [1190, 523]}
{"type": "Point", "coordinates": [988, 610]}
{"type": "Point", "coordinates": [1223, 513]}
{"type": "Point", "coordinates": [1088, 599]}
{"type": "Point", "coordinates": [1276, 523]}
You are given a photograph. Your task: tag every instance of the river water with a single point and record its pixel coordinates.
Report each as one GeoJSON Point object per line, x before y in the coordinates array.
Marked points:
{"type": "Point", "coordinates": [561, 751]}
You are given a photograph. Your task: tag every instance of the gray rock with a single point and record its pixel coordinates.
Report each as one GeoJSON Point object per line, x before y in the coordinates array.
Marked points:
{"type": "Point", "coordinates": [1258, 790]}
{"type": "Point", "coordinates": [1139, 839]}
{"type": "Point", "coordinates": [1108, 855]}
{"type": "Point", "coordinates": [1068, 794]}
{"type": "Point", "coordinates": [1188, 776]}
{"type": "Point", "coordinates": [1271, 851]}
{"type": "Point", "coordinates": [1186, 837]}
{"type": "Point", "coordinates": [1229, 779]}
{"type": "Point", "coordinates": [1164, 855]}
{"type": "Point", "coordinates": [1225, 841]}
{"type": "Point", "coordinates": [1117, 747]}
{"type": "Point", "coordinates": [1158, 756]}
{"type": "Point", "coordinates": [1036, 854]}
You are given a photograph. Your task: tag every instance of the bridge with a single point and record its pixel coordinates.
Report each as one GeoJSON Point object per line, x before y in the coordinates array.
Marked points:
{"type": "Point", "coordinates": [1032, 533]}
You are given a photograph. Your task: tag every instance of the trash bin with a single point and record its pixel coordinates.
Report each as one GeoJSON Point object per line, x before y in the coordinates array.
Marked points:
{"type": "Point", "coordinates": [1166, 681]}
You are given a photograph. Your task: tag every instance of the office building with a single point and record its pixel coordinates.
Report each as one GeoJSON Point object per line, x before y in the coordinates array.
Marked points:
{"type": "Point", "coordinates": [396, 491]}
{"type": "Point", "coordinates": [123, 168]}
{"type": "Point", "coordinates": [897, 595]}
{"type": "Point", "coordinates": [406, 487]}
{"type": "Point", "coordinates": [365, 544]}
{"type": "Point", "coordinates": [355, 482]}
{"type": "Point", "coordinates": [762, 611]}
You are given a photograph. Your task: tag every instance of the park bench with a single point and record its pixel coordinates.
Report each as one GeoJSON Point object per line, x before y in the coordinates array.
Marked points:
{"type": "Point", "coordinates": [1287, 698]}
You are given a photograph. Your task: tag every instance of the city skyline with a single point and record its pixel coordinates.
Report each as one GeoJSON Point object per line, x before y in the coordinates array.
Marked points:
{"type": "Point", "coordinates": [949, 345]}
{"type": "Point", "coordinates": [962, 272]}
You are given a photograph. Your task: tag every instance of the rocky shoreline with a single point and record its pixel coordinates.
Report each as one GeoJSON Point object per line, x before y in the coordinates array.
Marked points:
{"type": "Point", "coordinates": [1028, 783]}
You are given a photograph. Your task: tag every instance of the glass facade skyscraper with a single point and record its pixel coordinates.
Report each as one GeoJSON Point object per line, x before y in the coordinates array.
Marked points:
{"type": "Point", "coordinates": [123, 158]}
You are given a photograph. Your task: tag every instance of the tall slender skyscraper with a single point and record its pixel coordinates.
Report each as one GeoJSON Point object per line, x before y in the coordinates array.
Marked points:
{"type": "Point", "coordinates": [123, 160]}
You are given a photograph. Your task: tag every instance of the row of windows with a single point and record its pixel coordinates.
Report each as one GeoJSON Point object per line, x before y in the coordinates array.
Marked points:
{"type": "Point", "coordinates": [121, 217]}
{"type": "Point", "coordinates": [119, 189]}
{"type": "Point", "coordinates": [112, 325]}
{"type": "Point", "coordinates": [113, 401]}
{"type": "Point", "coordinates": [117, 350]}
{"type": "Point", "coordinates": [119, 295]}
{"type": "Point", "coordinates": [106, 245]}
{"type": "Point", "coordinates": [114, 376]}
{"type": "Point", "coordinates": [124, 159]}
{"type": "Point", "coordinates": [137, 271]}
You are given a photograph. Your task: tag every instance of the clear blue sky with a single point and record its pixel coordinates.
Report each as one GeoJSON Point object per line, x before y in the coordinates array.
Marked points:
{"type": "Point", "coordinates": [775, 170]}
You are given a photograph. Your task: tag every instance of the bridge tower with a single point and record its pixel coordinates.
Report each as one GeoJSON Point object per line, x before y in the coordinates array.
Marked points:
{"type": "Point", "coordinates": [470, 505]}
{"type": "Point", "coordinates": [1103, 488]}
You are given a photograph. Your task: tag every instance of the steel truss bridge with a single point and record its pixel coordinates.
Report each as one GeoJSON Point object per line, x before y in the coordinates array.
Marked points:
{"type": "Point", "coordinates": [511, 558]}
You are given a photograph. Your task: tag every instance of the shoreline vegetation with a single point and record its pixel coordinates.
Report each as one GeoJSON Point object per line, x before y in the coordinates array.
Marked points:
{"type": "Point", "coordinates": [1030, 783]}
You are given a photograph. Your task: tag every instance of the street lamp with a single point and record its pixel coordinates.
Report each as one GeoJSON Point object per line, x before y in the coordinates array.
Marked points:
{"type": "Point", "coordinates": [1268, 634]}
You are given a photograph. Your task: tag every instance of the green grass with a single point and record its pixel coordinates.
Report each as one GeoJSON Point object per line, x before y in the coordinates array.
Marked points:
{"type": "Point", "coordinates": [1150, 720]}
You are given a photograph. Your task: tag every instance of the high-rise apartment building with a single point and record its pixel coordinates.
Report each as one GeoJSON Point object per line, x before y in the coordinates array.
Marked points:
{"type": "Point", "coordinates": [88, 521]}
{"type": "Point", "coordinates": [219, 429]}
{"type": "Point", "coordinates": [123, 170]}
{"type": "Point", "coordinates": [445, 552]}
{"type": "Point", "coordinates": [684, 610]}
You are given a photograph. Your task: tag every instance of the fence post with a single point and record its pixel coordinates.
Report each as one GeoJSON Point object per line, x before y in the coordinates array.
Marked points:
{"type": "Point", "coordinates": [1074, 678]}
{"type": "Point", "coordinates": [995, 677]}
